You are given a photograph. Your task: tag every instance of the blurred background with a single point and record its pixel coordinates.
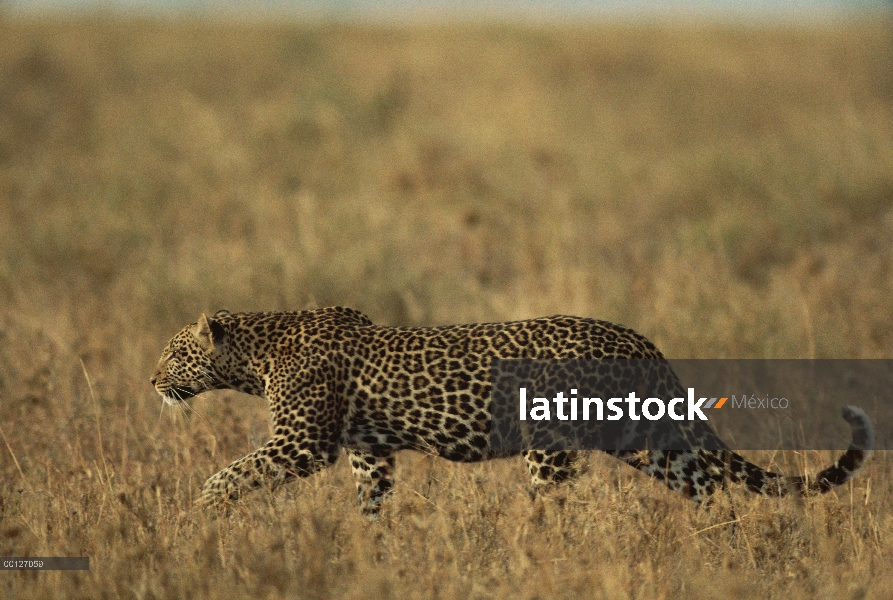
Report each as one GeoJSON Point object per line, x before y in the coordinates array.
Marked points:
{"type": "Point", "coordinates": [503, 9]}
{"type": "Point", "coordinates": [716, 175]}
{"type": "Point", "coordinates": [720, 181]}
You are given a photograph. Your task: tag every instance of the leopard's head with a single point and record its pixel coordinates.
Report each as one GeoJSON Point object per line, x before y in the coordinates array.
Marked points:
{"type": "Point", "coordinates": [190, 363]}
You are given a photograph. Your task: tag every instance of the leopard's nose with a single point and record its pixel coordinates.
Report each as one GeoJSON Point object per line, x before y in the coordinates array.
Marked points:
{"type": "Point", "coordinates": [152, 380]}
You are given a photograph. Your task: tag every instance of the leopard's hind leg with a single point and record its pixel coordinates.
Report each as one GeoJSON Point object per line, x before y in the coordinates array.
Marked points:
{"type": "Point", "coordinates": [549, 468]}
{"type": "Point", "coordinates": [695, 475]}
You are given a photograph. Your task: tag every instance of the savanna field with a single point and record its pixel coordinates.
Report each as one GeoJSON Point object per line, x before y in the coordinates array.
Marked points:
{"type": "Point", "coordinates": [726, 190]}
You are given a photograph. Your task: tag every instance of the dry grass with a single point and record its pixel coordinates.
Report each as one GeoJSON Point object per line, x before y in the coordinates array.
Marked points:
{"type": "Point", "coordinates": [727, 191]}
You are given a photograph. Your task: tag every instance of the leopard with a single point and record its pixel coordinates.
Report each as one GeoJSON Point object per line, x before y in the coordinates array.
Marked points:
{"type": "Point", "coordinates": [336, 381]}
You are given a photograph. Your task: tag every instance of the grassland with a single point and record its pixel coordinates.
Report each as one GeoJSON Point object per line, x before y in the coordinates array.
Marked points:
{"type": "Point", "coordinates": [725, 190]}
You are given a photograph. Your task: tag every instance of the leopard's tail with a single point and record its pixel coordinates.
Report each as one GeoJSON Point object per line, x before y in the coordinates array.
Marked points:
{"type": "Point", "coordinates": [772, 484]}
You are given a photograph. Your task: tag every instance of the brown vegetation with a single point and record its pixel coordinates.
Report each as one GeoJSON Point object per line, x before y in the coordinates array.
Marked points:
{"type": "Point", "coordinates": [725, 190]}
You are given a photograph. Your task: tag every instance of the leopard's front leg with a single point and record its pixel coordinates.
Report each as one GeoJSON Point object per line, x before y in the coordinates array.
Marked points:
{"type": "Point", "coordinates": [277, 462]}
{"type": "Point", "coordinates": [373, 473]}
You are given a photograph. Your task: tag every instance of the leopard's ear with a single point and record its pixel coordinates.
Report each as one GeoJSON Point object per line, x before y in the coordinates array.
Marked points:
{"type": "Point", "coordinates": [208, 333]}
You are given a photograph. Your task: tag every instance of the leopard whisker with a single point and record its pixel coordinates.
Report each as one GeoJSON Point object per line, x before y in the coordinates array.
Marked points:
{"type": "Point", "coordinates": [189, 411]}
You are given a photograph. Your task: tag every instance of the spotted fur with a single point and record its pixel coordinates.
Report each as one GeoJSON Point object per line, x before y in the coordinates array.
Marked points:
{"type": "Point", "coordinates": [335, 380]}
